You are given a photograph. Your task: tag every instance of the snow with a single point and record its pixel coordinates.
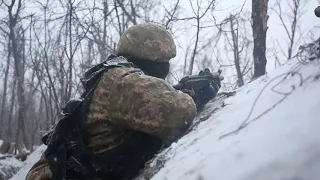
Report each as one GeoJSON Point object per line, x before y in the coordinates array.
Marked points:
{"type": "Point", "coordinates": [279, 139]}
{"type": "Point", "coordinates": [8, 167]}
{"type": "Point", "coordinates": [32, 159]}
{"type": "Point", "coordinates": [282, 144]}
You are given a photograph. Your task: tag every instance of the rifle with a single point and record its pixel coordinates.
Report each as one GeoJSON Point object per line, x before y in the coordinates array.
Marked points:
{"type": "Point", "coordinates": [201, 80]}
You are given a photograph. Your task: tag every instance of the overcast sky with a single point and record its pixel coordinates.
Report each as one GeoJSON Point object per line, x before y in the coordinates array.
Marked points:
{"type": "Point", "coordinates": [275, 35]}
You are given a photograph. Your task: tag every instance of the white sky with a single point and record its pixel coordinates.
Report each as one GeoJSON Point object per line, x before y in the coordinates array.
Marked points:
{"type": "Point", "coordinates": [275, 34]}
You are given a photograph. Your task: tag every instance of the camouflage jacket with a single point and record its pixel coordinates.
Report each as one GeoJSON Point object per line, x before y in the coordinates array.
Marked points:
{"type": "Point", "coordinates": [127, 119]}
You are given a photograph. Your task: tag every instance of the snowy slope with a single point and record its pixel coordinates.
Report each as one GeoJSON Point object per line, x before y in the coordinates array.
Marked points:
{"type": "Point", "coordinates": [280, 141]}
{"type": "Point", "coordinates": [282, 144]}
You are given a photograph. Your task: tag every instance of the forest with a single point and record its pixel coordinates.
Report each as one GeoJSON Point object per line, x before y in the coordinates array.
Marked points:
{"type": "Point", "coordinates": [46, 46]}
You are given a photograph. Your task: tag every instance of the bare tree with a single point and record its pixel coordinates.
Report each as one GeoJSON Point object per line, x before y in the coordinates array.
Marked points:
{"type": "Point", "coordinates": [5, 89]}
{"type": "Point", "coordinates": [234, 35]}
{"type": "Point", "coordinates": [198, 16]}
{"type": "Point", "coordinates": [259, 26]}
{"type": "Point", "coordinates": [17, 44]}
{"type": "Point", "coordinates": [42, 66]}
{"type": "Point", "coordinates": [290, 20]}
{"type": "Point", "coordinates": [99, 31]}
{"type": "Point", "coordinates": [11, 110]}
{"type": "Point", "coordinates": [235, 47]}
{"type": "Point", "coordinates": [171, 15]}
{"type": "Point", "coordinates": [45, 53]}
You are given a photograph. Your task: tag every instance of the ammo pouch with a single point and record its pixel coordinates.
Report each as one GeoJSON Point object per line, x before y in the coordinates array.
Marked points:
{"type": "Point", "coordinates": [67, 153]}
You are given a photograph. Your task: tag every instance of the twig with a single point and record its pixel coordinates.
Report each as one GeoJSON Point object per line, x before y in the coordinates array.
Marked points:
{"type": "Point", "coordinates": [172, 14]}
{"type": "Point", "coordinates": [246, 122]}
{"type": "Point", "coordinates": [254, 119]}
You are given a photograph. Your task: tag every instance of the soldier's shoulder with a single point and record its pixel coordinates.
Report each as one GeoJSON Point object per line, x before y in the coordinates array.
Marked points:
{"type": "Point", "coordinates": [123, 71]}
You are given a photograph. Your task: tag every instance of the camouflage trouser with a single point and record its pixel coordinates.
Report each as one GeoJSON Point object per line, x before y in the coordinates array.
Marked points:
{"type": "Point", "coordinates": [40, 171]}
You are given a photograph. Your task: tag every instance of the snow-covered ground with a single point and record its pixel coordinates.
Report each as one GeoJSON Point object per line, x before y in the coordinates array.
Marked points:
{"type": "Point", "coordinates": [279, 120]}
{"type": "Point", "coordinates": [8, 165]}
{"type": "Point", "coordinates": [280, 140]}
{"type": "Point", "coordinates": [32, 159]}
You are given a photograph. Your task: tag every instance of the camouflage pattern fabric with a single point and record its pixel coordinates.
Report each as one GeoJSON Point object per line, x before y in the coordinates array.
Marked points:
{"type": "Point", "coordinates": [126, 107]}
{"type": "Point", "coordinates": [40, 170]}
{"type": "Point", "coordinates": [147, 41]}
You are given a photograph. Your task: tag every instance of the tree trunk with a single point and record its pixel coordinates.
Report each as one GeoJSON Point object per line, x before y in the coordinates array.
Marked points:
{"type": "Point", "coordinates": [18, 71]}
{"type": "Point", "coordinates": [259, 27]}
{"type": "Point", "coordinates": [236, 56]}
{"type": "Point", "coordinates": [12, 100]}
{"type": "Point", "coordinates": [294, 26]}
{"type": "Point", "coordinates": [103, 53]}
{"type": "Point", "coordinates": [195, 48]}
{"type": "Point", "coordinates": [69, 84]}
{"type": "Point", "coordinates": [3, 134]}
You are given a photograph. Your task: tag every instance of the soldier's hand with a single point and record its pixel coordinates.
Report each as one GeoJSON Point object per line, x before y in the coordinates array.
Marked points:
{"type": "Point", "coordinates": [201, 96]}
{"type": "Point", "coordinates": [190, 92]}
{"type": "Point", "coordinates": [201, 88]}
{"type": "Point", "coordinates": [204, 94]}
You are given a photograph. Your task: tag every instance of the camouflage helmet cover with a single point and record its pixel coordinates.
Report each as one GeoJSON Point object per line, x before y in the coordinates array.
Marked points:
{"type": "Point", "coordinates": [147, 41]}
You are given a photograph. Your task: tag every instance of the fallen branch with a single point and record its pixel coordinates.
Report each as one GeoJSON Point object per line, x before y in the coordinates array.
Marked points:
{"type": "Point", "coordinates": [21, 156]}
{"type": "Point", "coordinates": [4, 157]}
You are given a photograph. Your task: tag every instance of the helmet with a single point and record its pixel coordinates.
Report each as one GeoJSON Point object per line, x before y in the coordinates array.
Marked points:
{"type": "Point", "coordinates": [147, 41]}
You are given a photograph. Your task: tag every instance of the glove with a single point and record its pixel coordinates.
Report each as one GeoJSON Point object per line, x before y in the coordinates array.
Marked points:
{"type": "Point", "coordinates": [204, 95]}
{"type": "Point", "coordinates": [201, 96]}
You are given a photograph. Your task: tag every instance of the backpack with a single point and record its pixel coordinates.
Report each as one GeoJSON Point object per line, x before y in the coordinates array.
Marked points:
{"type": "Point", "coordinates": [67, 153]}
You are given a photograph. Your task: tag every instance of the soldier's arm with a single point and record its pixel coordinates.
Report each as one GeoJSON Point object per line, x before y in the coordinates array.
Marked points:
{"type": "Point", "coordinates": [143, 103]}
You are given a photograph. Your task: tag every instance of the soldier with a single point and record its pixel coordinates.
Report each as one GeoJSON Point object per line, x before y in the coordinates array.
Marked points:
{"type": "Point", "coordinates": [124, 116]}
